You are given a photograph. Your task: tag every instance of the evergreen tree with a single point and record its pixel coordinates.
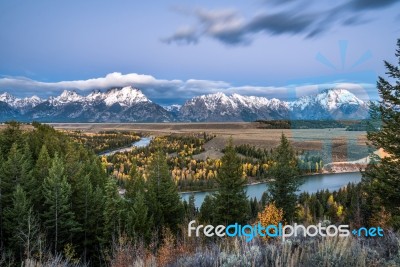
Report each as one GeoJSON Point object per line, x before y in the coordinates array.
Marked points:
{"type": "Point", "coordinates": [381, 179]}
{"type": "Point", "coordinates": [207, 210]}
{"type": "Point", "coordinates": [191, 208]}
{"type": "Point", "coordinates": [39, 173]}
{"type": "Point", "coordinates": [14, 171]}
{"type": "Point", "coordinates": [22, 224]}
{"type": "Point", "coordinates": [10, 135]}
{"type": "Point", "coordinates": [230, 200]}
{"type": "Point", "coordinates": [58, 217]}
{"type": "Point", "coordinates": [139, 222]}
{"type": "Point", "coordinates": [134, 184]}
{"type": "Point", "coordinates": [88, 208]}
{"type": "Point", "coordinates": [163, 199]}
{"type": "Point", "coordinates": [112, 211]}
{"type": "Point", "coordinates": [27, 168]}
{"type": "Point", "coordinates": [284, 181]}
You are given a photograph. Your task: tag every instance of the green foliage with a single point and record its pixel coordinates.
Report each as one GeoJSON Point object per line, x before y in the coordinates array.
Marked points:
{"type": "Point", "coordinates": [39, 173]}
{"type": "Point", "coordinates": [230, 199]}
{"type": "Point", "coordinates": [88, 203]}
{"type": "Point", "coordinates": [382, 177]}
{"type": "Point", "coordinates": [53, 187]}
{"type": "Point", "coordinates": [14, 171]}
{"type": "Point", "coordinates": [346, 205]}
{"type": "Point", "coordinates": [284, 181]}
{"type": "Point", "coordinates": [11, 135]}
{"type": "Point", "coordinates": [138, 221]}
{"type": "Point", "coordinates": [112, 212]}
{"type": "Point", "coordinates": [162, 197]}
{"type": "Point", "coordinates": [58, 217]}
{"type": "Point", "coordinates": [190, 208]}
{"type": "Point", "coordinates": [206, 214]}
{"type": "Point", "coordinates": [105, 140]}
{"type": "Point", "coordinates": [22, 224]}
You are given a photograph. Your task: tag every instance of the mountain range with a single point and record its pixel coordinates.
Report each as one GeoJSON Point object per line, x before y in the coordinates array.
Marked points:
{"type": "Point", "coordinates": [129, 104]}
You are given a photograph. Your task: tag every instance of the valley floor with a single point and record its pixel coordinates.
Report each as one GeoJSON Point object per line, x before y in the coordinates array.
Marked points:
{"type": "Point", "coordinates": [337, 145]}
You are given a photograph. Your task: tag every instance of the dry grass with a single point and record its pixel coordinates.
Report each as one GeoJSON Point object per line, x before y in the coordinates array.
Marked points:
{"type": "Point", "coordinates": [244, 133]}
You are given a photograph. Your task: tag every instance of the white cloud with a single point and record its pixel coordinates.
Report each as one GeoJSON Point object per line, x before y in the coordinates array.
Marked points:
{"type": "Point", "coordinates": [172, 91]}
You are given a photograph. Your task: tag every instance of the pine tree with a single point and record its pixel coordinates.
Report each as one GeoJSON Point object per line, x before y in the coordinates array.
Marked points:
{"type": "Point", "coordinates": [139, 222]}
{"type": "Point", "coordinates": [231, 204]}
{"type": "Point", "coordinates": [163, 199]}
{"type": "Point", "coordinates": [58, 217]}
{"type": "Point", "coordinates": [381, 179]}
{"type": "Point", "coordinates": [207, 210]}
{"type": "Point", "coordinates": [284, 181]}
{"type": "Point", "coordinates": [112, 211]}
{"type": "Point", "coordinates": [39, 173]}
{"type": "Point", "coordinates": [9, 136]}
{"type": "Point", "coordinates": [191, 208]}
{"type": "Point", "coordinates": [88, 208]}
{"type": "Point", "coordinates": [13, 172]}
{"type": "Point", "coordinates": [22, 224]}
{"type": "Point", "coordinates": [134, 184]}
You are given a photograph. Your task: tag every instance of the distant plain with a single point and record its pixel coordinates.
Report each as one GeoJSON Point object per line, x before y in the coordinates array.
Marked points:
{"type": "Point", "coordinates": [336, 145]}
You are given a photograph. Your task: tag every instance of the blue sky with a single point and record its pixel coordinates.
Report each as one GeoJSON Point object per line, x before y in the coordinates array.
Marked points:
{"type": "Point", "coordinates": [173, 50]}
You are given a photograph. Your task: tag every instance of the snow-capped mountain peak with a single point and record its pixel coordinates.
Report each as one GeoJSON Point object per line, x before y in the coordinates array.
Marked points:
{"type": "Point", "coordinates": [213, 101]}
{"type": "Point", "coordinates": [20, 103]}
{"type": "Point", "coordinates": [69, 96]}
{"type": "Point", "coordinates": [6, 97]}
{"type": "Point", "coordinates": [330, 99]}
{"type": "Point", "coordinates": [127, 96]}
{"type": "Point", "coordinates": [133, 105]}
{"type": "Point", "coordinates": [95, 95]}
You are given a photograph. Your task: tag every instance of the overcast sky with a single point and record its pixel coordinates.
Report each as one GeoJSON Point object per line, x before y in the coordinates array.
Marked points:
{"type": "Point", "coordinates": [173, 50]}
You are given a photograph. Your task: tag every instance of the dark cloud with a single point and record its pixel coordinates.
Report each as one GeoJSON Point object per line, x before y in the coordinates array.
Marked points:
{"type": "Point", "coordinates": [309, 19]}
{"type": "Point", "coordinates": [281, 23]}
{"type": "Point", "coordinates": [370, 4]}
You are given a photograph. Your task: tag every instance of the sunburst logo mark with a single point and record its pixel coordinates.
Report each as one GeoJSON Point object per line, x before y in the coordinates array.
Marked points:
{"type": "Point", "coordinates": [337, 145]}
{"type": "Point", "coordinates": [343, 45]}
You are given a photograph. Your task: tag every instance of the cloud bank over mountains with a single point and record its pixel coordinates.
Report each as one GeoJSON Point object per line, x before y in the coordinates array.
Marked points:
{"type": "Point", "coordinates": [173, 91]}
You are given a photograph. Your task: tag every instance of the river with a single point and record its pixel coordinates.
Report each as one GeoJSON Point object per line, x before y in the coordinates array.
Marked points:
{"type": "Point", "coordinates": [144, 141]}
{"type": "Point", "coordinates": [312, 184]}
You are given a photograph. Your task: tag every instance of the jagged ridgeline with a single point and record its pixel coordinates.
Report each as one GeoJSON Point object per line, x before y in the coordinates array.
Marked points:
{"type": "Point", "coordinates": [129, 104]}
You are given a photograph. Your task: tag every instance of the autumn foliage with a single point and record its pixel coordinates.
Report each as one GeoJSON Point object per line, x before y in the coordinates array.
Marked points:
{"type": "Point", "coordinates": [270, 215]}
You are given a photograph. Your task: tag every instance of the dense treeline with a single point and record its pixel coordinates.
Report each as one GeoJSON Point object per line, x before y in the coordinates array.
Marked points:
{"type": "Point", "coordinates": [192, 173]}
{"type": "Point", "coordinates": [304, 124]}
{"type": "Point", "coordinates": [56, 198]}
{"type": "Point", "coordinates": [308, 163]}
{"type": "Point", "coordinates": [59, 203]}
{"type": "Point", "coordinates": [189, 173]}
{"type": "Point", "coordinates": [105, 140]}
